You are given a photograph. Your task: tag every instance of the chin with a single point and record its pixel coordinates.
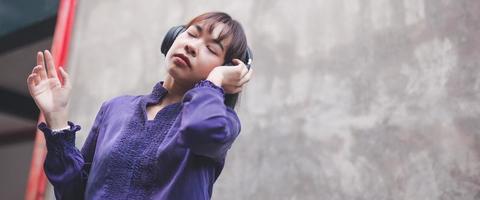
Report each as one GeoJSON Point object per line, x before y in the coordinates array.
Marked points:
{"type": "Point", "coordinates": [175, 73]}
{"type": "Point", "coordinates": [179, 76]}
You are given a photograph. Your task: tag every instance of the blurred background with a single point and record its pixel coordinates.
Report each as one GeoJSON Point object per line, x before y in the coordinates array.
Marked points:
{"type": "Point", "coordinates": [26, 26]}
{"type": "Point", "coordinates": [350, 99]}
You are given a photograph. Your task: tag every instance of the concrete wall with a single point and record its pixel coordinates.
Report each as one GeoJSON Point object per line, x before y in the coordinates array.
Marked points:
{"type": "Point", "coordinates": [350, 99]}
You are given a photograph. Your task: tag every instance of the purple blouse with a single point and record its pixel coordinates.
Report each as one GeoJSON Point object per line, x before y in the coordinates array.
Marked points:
{"type": "Point", "coordinates": [177, 155]}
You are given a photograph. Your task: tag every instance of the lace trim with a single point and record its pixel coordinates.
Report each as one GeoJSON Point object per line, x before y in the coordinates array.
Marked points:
{"type": "Point", "coordinates": [54, 139]}
{"type": "Point", "coordinates": [207, 83]}
{"type": "Point", "coordinates": [71, 129]}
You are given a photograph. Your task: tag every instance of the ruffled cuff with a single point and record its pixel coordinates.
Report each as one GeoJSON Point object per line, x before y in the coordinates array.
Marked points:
{"type": "Point", "coordinates": [56, 140]}
{"type": "Point", "coordinates": [209, 84]}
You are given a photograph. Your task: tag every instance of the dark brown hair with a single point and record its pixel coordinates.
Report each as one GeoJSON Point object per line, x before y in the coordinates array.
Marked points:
{"type": "Point", "coordinates": [238, 43]}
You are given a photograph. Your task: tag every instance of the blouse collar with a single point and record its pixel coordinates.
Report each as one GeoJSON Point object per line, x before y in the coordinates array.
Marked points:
{"type": "Point", "coordinates": [158, 92]}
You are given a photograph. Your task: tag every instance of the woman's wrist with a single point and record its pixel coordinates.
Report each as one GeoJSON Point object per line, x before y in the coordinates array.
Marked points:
{"type": "Point", "coordinates": [56, 120]}
{"type": "Point", "coordinates": [215, 78]}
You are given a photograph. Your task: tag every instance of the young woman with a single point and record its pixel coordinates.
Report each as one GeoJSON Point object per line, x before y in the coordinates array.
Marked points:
{"type": "Point", "coordinates": [170, 144]}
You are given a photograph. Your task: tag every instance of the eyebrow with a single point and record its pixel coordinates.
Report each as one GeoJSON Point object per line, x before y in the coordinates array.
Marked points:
{"type": "Point", "coordinates": [216, 40]}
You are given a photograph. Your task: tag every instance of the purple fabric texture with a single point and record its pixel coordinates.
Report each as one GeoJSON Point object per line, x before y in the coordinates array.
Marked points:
{"type": "Point", "coordinates": [177, 155]}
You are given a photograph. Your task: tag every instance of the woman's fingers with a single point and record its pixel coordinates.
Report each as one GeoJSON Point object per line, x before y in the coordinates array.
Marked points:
{"type": "Point", "coordinates": [31, 81]}
{"type": "Point", "coordinates": [34, 68]}
{"type": "Point", "coordinates": [235, 76]}
{"type": "Point", "coordinates": [241, 74]}
{"type": "Point", "coordinates": [245, 78]}
{"type": "Point", "coordinates": [36, 78]}
{"type": "Point", "coordinates": [66, 78]}
{"type": "Point", "coordinates": [236, 61]}
{"type": "Point", "coordinates": [37, 70]}
{"type": "Point", "coordinates": [40, 60]}
{"type": "Point", "coordinates": [241, 67]}
{"type": "Point", "coordinates": [41, 63]}
{"type": "Point", "coordinates": [238, 89]}
{"type": "Point", "coordinates": [52, 73]}
{"type": "Point", "coordinates": [232, 89]}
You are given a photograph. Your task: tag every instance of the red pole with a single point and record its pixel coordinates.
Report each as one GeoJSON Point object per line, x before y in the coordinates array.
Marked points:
{"type": "Point", "coordinates": [61, 39]}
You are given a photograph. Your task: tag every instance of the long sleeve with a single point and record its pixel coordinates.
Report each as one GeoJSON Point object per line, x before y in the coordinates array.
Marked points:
{"type": "Point", "coordinates": [65, 166]}
{"type": "Point", "coordinates": [207, 126]}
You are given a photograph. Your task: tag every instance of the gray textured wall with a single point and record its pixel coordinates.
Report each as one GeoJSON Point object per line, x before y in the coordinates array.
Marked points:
{"type": "Point", "coordinates": [350, 99]}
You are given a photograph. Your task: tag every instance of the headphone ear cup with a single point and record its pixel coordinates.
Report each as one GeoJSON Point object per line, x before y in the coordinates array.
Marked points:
{"type": "Point", "coordinates": [170, 37]}
{"type": "Point", "coordinates": [248, 58]}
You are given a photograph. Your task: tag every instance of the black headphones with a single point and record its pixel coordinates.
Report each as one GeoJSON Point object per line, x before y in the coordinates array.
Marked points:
{"type": "Point", "coordinates": [172, 34]}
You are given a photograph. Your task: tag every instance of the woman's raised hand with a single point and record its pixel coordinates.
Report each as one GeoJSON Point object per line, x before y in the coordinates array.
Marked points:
{"type": "Point", "coordinates": [231, 78]}
{"type": "Point", "coordinates": [51, 97]}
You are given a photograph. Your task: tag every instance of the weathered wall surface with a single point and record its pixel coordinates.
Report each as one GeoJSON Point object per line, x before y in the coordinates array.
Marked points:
{"type": "Point", "coordinates": [350, 99]}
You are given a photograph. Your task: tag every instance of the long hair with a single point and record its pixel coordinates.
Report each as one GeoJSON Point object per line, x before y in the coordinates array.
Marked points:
{"type": "Point", "coordinates": [235, 49]}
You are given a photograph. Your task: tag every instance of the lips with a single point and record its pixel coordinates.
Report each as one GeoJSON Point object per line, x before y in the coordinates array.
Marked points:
{"type": "Point", "coordinates": [183, 58]}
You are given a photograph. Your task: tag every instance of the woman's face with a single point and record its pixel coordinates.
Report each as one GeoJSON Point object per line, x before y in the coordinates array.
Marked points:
{"type": "Point", "coordinates": [195, 53]}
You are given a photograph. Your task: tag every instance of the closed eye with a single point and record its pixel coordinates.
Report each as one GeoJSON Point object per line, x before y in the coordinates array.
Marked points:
{"type": "Point", "coordinates": [211, 51]}
{"type": "Point", "coordinates": [191, 35]}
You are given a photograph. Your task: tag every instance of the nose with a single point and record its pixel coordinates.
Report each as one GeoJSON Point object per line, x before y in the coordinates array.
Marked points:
{"type": "Point", "coordinates": [190, 50]}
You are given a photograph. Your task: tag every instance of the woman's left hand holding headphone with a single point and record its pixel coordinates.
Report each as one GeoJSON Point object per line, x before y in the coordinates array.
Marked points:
{"type": "Point", "coordinates": [231, 78]}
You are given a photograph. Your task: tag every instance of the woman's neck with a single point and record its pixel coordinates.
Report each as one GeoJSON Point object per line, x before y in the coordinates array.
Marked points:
{"type": "Point", "coordinates": [175, 90]}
